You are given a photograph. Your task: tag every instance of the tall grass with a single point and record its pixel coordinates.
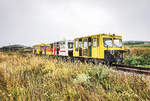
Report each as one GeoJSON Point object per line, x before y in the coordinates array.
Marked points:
{"type": "Point", "coordinates": [29, 78]}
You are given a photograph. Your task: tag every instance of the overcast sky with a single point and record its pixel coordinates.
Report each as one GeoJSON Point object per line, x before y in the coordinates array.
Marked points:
{"type": "Point", "coordinates": [31, 22]}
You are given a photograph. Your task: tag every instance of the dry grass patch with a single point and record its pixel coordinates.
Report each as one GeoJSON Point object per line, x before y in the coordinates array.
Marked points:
{"type": "Point", "coordinates": [30, 78]}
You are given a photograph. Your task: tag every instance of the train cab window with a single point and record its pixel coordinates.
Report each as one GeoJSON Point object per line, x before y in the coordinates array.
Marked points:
{"type": "Point", "coordinates": [107, 42]}
{"type": "Point", "coordinates": [85, 43]}
{"type": "Point", "coordinates": [70, 45]}
{"type": "Point", "coordinates": [94, 42]}
{"type": "Point", "coordinates": [117, 43]}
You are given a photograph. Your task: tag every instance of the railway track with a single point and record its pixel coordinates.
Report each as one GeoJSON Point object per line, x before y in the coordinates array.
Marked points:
{"type": "Point", "coordinates": [139, 70]}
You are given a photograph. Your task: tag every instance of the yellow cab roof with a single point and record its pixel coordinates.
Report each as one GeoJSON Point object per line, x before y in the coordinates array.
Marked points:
{"type": "Point", "coordinates": [38, 45]}
{"type": "Point", "coordinates": [102, 34]}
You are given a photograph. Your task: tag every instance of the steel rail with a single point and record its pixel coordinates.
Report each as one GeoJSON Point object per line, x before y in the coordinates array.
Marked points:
{"type": "Point", "coordinates": [140, 70]}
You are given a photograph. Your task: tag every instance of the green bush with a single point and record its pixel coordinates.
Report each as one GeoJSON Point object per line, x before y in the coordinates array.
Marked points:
{"type": "Point", "coordinates": [136, 60]}
{"type": "Point", "coordinates": [138, 56]}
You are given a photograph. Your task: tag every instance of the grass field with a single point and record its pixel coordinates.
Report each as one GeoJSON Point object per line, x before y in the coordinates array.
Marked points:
{"type": "Point", "coordinates": [24, 77]}
{"type": "Point", "coordinates": [139, 55]}
{"type": "Point", "coordinates": [138, 46]}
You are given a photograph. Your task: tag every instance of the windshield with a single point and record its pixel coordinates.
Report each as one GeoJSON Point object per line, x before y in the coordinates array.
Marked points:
{"type": "Point", "coordinates": [107, 42]}
{"type": "Point", "coordinates": [70, 44]}
{"type": "Point", "coordinates": [117, 43]}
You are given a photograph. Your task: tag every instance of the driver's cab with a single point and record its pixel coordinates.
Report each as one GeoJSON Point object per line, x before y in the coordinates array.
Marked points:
{"type": "Point", "coordinates": [112, 48]}
{"type": "Point", "coordinates": [112, 41]}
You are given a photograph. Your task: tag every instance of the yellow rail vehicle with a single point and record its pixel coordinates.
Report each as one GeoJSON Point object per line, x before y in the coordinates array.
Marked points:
{"type": "Point", "coordinates": [36, 49]}
{"type": "Point", "coordinates": [40, 49]}
{"type": "Point", "coordinates": [99, 47]}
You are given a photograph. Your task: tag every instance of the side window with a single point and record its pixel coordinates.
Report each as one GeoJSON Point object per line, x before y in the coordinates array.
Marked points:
{"type": "Point", "coordinates": [76, 45]}
{"type": "Point", "coordinates": [80, 44]}
{"type": "Point", "coordinates": [94, 42]}
{"type": "Point", "coordinates": [62, 45]}
{"type": "Point", "coordinates": [44, 47]}
{"type": "Point", "coordinates": [70, 45]}
{"type": "Point", "coordinates": [85, 43]}
{"type": "Point", "coordinates": [41, 47]}
{"type": "Point", "coordinates": [90, 44]}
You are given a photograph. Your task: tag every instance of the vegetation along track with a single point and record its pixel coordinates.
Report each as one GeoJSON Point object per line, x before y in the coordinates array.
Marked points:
{"type": "Point", "coordinates": [140, 70]}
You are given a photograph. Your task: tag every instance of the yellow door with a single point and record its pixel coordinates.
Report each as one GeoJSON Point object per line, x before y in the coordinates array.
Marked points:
{"type": "Point", "coordinates": [95, 47]}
